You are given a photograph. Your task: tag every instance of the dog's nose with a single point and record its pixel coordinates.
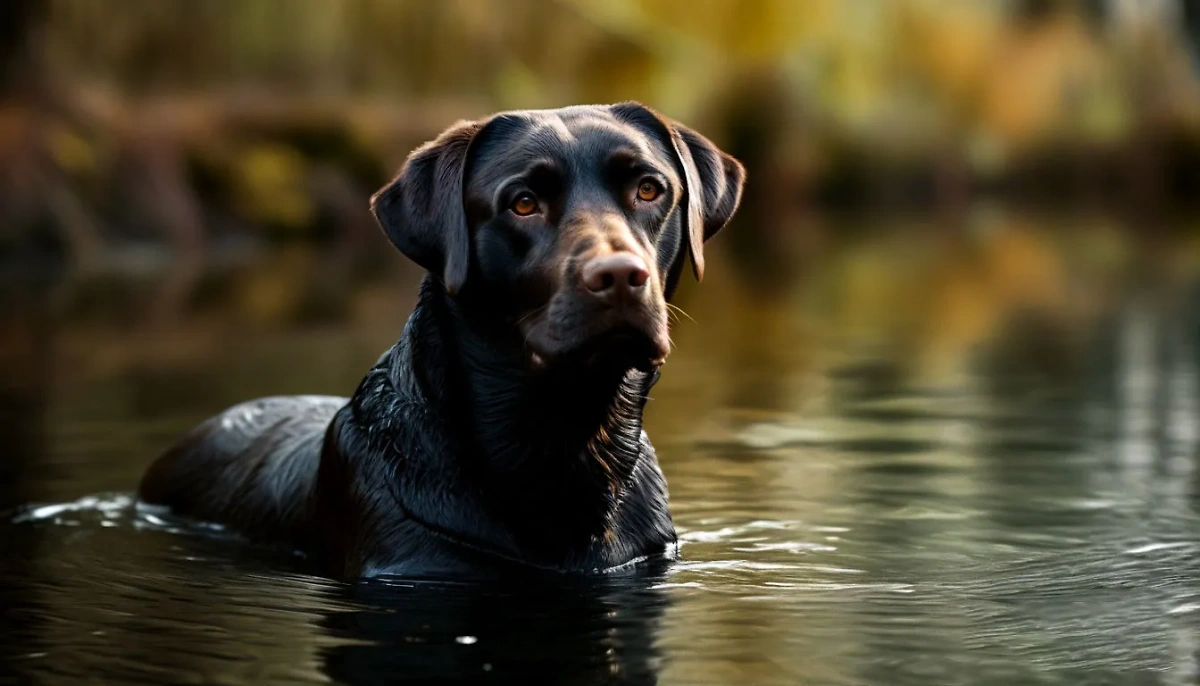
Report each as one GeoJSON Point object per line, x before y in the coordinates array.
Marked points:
{"type": "Point", "coordinates": [621, 273]}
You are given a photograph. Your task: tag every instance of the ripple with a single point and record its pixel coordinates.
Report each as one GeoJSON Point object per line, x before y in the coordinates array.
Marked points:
{"type": "Point", "coordinates": [732, 532]}
{"type": "Point", "coordinates": [105, 505]}
{"type": "Point", "coordinates": [110, 510]}
{"type": "Point", "coordinates": [795, 547]}
{"type": "Point", "coordinates": [1153, 547]}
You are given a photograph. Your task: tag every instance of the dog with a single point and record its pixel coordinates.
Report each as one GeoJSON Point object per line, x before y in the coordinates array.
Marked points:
{"type": "Point", "coordinates": [503, 431]}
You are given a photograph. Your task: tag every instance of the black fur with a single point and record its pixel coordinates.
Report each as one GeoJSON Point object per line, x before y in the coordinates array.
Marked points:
{"type": "Point", "coordinates": [504, 428]}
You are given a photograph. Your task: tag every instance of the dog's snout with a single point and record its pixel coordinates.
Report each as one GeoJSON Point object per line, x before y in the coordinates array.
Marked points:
{"type": "Point", "coordinates": [621, 273]}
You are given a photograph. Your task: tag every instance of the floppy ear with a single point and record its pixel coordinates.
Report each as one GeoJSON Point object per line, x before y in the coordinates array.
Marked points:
{"type": "Point", "coordinates": [421, 210]}
{"type": "Point", "coordinates": [712, 179]}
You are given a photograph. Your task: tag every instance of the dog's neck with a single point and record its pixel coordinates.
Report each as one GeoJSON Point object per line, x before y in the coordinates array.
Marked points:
{"type": "Point", "coordinates": [554, 450]}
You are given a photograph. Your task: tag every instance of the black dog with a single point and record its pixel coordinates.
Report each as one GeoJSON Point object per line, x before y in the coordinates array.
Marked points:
{"type": "Point", "coordinates": [504, 429]}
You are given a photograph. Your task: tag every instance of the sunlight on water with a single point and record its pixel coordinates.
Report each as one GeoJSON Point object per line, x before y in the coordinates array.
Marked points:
{"type": "Point", "coordinates": [1021, 508]}
{"type": "Point", "coordinates": [106, 507]}
{"type": "Point", "coordinates": [113, 509]}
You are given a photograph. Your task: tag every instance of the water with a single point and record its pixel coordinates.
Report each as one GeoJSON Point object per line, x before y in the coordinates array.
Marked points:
{"type": "Point", "coordinates": [905, 458]}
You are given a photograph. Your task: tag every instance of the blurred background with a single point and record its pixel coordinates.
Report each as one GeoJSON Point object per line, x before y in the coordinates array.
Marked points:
{"type": "Point", "coordinates": [184, 168]}
{"type": "Point", "coordinates": [961, 298]}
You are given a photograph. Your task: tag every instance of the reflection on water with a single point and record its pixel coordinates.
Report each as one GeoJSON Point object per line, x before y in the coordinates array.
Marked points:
{"type": "Point", "coordinates": [907, 456]}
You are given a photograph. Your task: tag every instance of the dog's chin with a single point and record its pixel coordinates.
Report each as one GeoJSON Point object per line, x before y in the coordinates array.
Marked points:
{"type": "Point", "coordinates": [618, 349]}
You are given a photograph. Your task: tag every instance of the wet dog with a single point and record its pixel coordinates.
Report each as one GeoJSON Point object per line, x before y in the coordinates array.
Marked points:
{"type": "Point", "coordinates": [504, 429]}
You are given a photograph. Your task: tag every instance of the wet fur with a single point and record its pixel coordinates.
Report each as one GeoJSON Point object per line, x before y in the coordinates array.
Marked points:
{"type": "Point", "coordinates": [453, 457]}
{"type": "Point", "coordinates": [389, 481]}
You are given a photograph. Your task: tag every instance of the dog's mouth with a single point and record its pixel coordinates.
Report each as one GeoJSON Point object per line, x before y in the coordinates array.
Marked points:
{"type": "Point", "coordinates": [621, 347]}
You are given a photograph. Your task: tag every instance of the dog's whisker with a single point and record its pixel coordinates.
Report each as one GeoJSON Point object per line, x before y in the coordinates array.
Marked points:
{"type": "Point", "coordinates": [679, 311]}
{"type": "Point", "coordinates": [533, 313]}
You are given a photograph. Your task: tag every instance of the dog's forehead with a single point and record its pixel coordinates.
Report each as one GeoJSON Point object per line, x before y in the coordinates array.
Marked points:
{"type": "Point", "coordinates": [575, 138]}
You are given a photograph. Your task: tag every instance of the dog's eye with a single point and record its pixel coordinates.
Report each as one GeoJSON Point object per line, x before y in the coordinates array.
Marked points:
{"type": "Point", "coordinates": [648, 190]}
{"type": "Point", "coordinates": [524, 205]}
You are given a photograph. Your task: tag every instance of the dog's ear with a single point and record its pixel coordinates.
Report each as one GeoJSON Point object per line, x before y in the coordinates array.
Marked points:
{"type": "Point", "coordinates": [712, 179]}
{"type": "Point", "coordinates": [421, 210]}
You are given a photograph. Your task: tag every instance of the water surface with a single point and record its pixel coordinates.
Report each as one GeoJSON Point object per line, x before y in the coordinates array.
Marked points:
{"type": "Point", "coordinates": [912, 457]}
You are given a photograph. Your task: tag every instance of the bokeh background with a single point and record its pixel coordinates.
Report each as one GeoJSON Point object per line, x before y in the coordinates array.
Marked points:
{"type": "Point", "coordinates": [173, 173]}
{"type": "Point", "coordinates": [948, 346]}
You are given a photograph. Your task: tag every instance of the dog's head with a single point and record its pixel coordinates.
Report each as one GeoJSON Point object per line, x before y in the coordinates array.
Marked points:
{"type": "Point", "coordinates": [571, 225]}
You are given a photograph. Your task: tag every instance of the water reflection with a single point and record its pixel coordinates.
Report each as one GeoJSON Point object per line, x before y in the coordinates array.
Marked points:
{"type": "Point", "coordinates": [530, 631]}
{"type": "Point", "coordinates": [903, 458]}
{"type": "Point", "coordinates": [25, 360]}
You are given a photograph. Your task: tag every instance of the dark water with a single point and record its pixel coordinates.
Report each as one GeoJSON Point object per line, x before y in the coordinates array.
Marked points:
{"type": "Point", "coordinates": [905, 458]}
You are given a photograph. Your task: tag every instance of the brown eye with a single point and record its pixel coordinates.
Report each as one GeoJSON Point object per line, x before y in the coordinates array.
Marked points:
{"type": "Point", "coordinates": [524, 205]}
{"type": "Point", "coordinates": [648, 190]}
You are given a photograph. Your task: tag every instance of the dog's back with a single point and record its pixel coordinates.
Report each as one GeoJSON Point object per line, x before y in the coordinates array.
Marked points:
{"type": "Point", "coordinates": [253, 467]}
